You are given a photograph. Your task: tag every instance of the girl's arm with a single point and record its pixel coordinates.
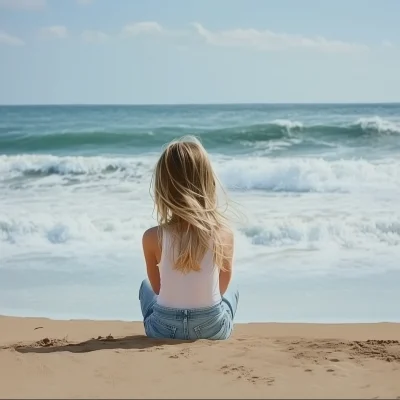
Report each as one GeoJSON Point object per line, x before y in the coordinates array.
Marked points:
{"type": "Point", "coordinates": [150, 250]}
{"type": "Point", "coordinates": [225, 276]}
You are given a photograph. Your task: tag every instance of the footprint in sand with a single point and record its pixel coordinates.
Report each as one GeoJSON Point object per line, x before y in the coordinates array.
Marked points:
{"type": "Point", "coordinates": [242, 372]}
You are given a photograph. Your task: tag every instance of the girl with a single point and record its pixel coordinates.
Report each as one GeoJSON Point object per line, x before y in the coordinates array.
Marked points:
{"type": "Point", "coordinates": [189, 254]}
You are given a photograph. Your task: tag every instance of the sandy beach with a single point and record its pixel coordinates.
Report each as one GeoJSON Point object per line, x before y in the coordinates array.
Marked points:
{"type": "Point", "coordinates": [42, 358]}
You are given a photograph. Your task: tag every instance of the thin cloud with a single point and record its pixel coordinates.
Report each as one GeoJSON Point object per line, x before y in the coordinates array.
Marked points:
{"type": "Point", "coordinates": [10, 40]}
{"type": "Point", "coordinates": [265, 40]}
{"type": "Point", "coordinates": [155, 30]}
{"type": "Point", "coordinates": [23, 4]}
{"type": "Point", "coordinates": [142, 28]}
{"type": "Point", "coordinates": [94, 36]}
{"type": "Point", "coordinates": [55, 31]}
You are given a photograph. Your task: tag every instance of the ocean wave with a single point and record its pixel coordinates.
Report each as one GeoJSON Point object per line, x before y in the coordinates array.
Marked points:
{"type": "Point", "coordinates": [348, 232]}
{"type": "Point", "coordinates": [288, 124]}
{"type": "Point", "coordinates": [148, 139]}
{"type": "Point", "coordinates": [44, 165]}
{"type": "Point", "coordinates": [138, 140]}
{"type": "Point", "coordinates": [308, 175]}
{"type": "Point", "coordinates": [247, 173]}
{"type": "Point", "coordinates": [67, 228]}
{"type": "Point", "coordinates": [378, 125]}
{"type": "Point", "coordinates": [345, 232]}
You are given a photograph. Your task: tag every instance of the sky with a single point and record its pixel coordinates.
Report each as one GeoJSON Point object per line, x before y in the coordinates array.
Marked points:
{"type": "Point", "coordinates": [199, 51]}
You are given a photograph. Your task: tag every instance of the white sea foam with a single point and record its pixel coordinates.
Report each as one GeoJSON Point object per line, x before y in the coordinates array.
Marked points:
{"type": "Point", "coordinates": [308, 175]}
{"type": "Point", "coordinates": [369, 124]}
{"type": "Point", "coordinates": [379, 125]}
{"type": "Point", "coordinates": [256, 173]}
{"type": "Point", "coordinates": [349, 232]}
{"type": "Point", "coordinates": [45, 229]}
{"type": "Point", "coordinates": [288, 124]}
{"type": "Point", "coordinates": [77, 227]}
{"type": "Point", "coordinates": [11, 166]}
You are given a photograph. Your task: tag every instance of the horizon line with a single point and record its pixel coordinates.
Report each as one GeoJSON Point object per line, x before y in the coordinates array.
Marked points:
{"type": "Point", "coordinates": [196, 104]}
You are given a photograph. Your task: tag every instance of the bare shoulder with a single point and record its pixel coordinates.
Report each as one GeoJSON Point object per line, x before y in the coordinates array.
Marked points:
{"type": "Point", "coordinates": [150, 236]}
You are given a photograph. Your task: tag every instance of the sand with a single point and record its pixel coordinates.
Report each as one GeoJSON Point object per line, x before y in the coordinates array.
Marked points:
{"type": "Point", "coordinates": [42, 358]}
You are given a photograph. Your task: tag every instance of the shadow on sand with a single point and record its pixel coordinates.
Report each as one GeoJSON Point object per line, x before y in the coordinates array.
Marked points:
{"type": "Point", "coordinates": [139, 342]}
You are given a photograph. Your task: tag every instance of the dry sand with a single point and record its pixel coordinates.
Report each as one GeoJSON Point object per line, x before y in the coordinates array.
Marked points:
{"type": "Point", "coordinates": [42, 358]}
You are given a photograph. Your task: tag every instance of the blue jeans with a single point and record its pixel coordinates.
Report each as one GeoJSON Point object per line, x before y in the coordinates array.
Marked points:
{"type": "Point", "coordinates": [213, 323]}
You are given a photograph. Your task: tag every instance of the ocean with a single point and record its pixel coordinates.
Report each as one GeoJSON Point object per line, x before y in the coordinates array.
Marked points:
{"type": "Point", "coordinates": [317, 187]}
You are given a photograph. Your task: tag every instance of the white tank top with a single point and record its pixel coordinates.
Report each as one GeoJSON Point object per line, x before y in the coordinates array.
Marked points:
{"type": "Point", "coordinates": [196, 289]}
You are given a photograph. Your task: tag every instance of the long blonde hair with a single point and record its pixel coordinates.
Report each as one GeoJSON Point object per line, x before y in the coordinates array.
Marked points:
{"type": "Point", "coordinates": [185, 189]}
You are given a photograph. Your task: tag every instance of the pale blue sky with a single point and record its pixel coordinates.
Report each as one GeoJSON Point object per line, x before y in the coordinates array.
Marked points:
{"type": "Point", "coordinates": [199, 51]}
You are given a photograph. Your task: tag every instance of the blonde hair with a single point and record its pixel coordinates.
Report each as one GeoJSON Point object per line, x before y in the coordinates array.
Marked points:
{"type": "Point", "coordinates": [185, 189]}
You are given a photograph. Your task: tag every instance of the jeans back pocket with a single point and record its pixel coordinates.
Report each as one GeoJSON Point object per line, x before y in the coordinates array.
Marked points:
{"type": "Point", "coordinates": [158, 329]}
{"type": "Point", "coordinates": [215, 328]}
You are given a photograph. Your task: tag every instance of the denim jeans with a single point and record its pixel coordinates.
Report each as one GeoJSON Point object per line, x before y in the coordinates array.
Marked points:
{"type": "Point", "coordinates": [213, 323]}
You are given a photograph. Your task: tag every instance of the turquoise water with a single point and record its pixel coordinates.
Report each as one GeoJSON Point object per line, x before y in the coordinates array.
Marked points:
{"type": "Point", "coordinates": [319, 187]}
